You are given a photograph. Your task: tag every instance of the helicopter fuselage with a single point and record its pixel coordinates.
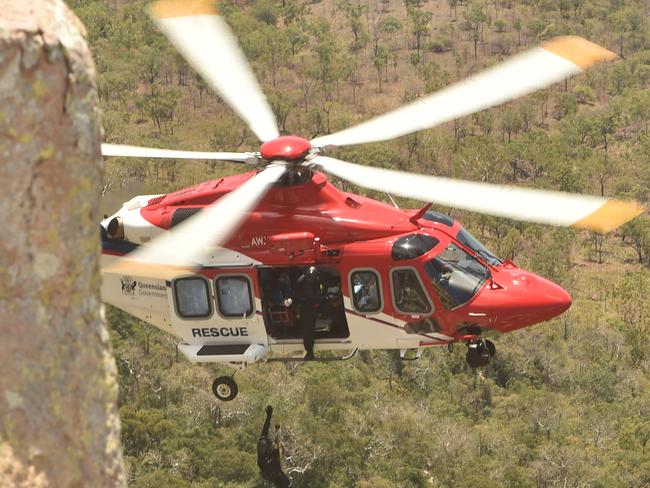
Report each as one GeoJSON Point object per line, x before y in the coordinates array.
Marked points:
{"type": "Point", "coordinates": [392, 278]}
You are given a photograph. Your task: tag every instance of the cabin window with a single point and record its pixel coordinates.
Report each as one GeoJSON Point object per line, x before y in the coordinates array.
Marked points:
{"type": "Point", "coordinates": [408, 293]}
{"type": "Point", "coordinates": [366, 291]}
{"type": "Point", "coordinates": [234, 296]}
{"type": "Point", "coordinates": [412, 246]}
{"type": "Point", "coordinates": [192, 297]}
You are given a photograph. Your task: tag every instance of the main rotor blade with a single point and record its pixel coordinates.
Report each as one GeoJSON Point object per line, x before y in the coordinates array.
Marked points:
{"type": "Point", "coordinates": [534, 69]}
{"type": "Point", "coordinates": [540, 206]}
{"type": "Point", "coordinates": [190, 241]}
{"type": "Point", "coordinates": [209, 46]}
{"type": "Point", "coordinates": [151, 152]}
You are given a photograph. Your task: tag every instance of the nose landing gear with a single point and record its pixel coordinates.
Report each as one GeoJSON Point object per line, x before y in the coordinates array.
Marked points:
{"type": "Point", "coordinates": [479, 353]}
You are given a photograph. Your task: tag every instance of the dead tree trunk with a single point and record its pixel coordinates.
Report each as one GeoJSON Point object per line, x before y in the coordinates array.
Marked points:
{"type": "Point", "coordinates": [58, 418]}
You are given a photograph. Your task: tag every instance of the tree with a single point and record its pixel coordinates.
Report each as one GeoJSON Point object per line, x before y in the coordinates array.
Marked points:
{"type": "Point", "coordinates": [602, 128]}
{"type": "Point", "coordinates": [433, 76]}
{"type": "Point", "coordinates": [485, 121]}
{"type": "Point", "coordinates": [293, 11]}
{"type": "Point", "coordinates": [97, 19]}
{"type": "Point", "coordinates": [597, 242]}
{"type": "Point", "coordinates": [475, 19]}
{"type": "Point", "coordinates": [352, 75]}
{"type": "Point", "coordinates": [517, 25]}
{"type": "Point", "coordinates": [160, 106]}
{"type": "Point", "coordinates": [584, 94]}
{"type": "Point", "coordinates": [200, 85]}
{"type": "Point", "coordinates": [380, 61]}
{"type": "Point", "coordinates": [281, 105]}
{"type": "Point", "coordinates": [511, 122]}
{"type": "Point", "coordinates": [634, 310]}
{"type": "Point", "coordinates": [539, 28]}
{"type": "Point", "coordinates": [274, 49]}
{"type": "Point", "coordinates": [420, 20]}
{"type": "Point", "coordinates": [327, 53]}
{"type": "Point", "coordinates": [639, 108]}
{"type": "Point", "coordinates": [266, 11]}
{"type": "Point", "coordinates": [182, 69]}
{"type": "Point", "coordinates": [542, 97]}
{"type": "Point", "coordinates": [353, 13]}
{"type": "Point", "coordinates": [636, 234]}
{"type": "Point", "coordinates": [150, 64]}
{"type": "Point", "coordinates": [307, 79]}
{"type": "Point", "coordinates": [453, 7]}
{"type": "Point", "coordinates": [629, 23]}
{"type": "Point", "coordinates": [114, 86]}
{"type": "Point", "coordinates": [296, 37]}
{"type": "Point", "coordinates": [160, 479]}
{"type": "Point", "coordinates": [384, 30]}
{"type": "Point", "coordinates": [565, 104]}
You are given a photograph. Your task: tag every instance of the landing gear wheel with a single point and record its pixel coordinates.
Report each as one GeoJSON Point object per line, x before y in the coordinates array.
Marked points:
{"type": "Point", "coordinates": [479, 353]}
{"type": "Point", "coordinates": [225, 388]}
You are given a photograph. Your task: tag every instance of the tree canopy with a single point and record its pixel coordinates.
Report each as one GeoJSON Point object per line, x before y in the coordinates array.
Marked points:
{"type": "Point", "coordinates": [563, 404]}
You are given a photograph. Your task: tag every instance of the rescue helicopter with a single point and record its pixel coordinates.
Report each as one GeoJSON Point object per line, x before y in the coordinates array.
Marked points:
{"type": "Point", "coordinates": [216, 264]}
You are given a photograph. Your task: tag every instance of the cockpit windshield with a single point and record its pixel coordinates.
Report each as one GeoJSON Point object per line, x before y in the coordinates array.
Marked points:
{"type": "Point", "coordinates": [456, 275]}
{"type": "Point", "coordinates": [467, 239]}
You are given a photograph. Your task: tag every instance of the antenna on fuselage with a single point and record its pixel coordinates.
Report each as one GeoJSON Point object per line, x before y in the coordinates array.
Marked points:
{"type": "Point", "coordinates": [392, 200]}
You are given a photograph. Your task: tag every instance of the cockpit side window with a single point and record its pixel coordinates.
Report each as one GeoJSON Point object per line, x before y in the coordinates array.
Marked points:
{"type": "Point", "coordinates": [438, 217]}
{"type": "Point", "coordinates": [408, 294]}
{"type": "Point", "coordinates": [456, 275]}
{"type": "Point", "coordinates": [412, 246]}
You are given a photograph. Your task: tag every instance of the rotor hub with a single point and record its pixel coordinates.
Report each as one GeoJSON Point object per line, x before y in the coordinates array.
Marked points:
{"type": "Point", "coordinates": [287, 148]}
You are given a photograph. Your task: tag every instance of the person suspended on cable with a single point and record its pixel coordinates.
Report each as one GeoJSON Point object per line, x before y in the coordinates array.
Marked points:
{"type": "Point", "coordinates": [269, 454]}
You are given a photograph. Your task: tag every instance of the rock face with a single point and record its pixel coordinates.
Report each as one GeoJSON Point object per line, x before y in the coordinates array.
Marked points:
{"type": "Point", "coordinates": [58, 417]}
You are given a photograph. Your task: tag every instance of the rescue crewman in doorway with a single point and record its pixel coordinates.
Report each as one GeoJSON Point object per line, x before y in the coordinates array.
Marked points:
{"type": "Point", "coordinates": [309, 298]}
{"type": "Point", "coordinates": [269, 453]}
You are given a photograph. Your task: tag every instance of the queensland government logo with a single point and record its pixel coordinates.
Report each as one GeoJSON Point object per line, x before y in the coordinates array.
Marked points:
{"type": "Point", "coordinates": [131, 288]}
{"type": "Point", "coordinates": [128, 285]}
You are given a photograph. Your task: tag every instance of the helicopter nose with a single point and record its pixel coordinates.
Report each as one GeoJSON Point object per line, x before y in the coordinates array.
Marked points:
{"type": "Point", "coordinates": [519, 298]}
{"type": "Point", "coordinates": [551, 299]}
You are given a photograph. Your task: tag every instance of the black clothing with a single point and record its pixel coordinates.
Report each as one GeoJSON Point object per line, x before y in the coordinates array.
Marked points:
{"type": "Point", "coordinates": [268, 456]}
{"type": "Point", "coordinates": [309, 286]}
{"type": "Point", "coordinates": [267, 422]}
{"type": "Point", "coordinates": [309, 298]}
{"type": "Point", "coordinates": [264, 444]}
{"type": "Point", "coordinates": [308, 316]}
{"type": "Point", "coordinates": [279, 479]}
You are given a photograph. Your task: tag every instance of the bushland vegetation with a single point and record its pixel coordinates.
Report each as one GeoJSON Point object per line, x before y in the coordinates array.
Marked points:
{"type": "Point", "coordinates": [566, 403]}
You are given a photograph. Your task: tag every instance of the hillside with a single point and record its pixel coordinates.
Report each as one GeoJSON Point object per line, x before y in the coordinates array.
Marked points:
{"type": "Point", "coordinates": [566, 403]}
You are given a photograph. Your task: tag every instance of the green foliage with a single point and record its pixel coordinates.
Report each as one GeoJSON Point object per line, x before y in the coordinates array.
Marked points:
{"type": "Point", "coordinates": [160, 479]}
{"type": "Point", "coordinates": [420, 20]}
{"type": "Point", "coordinates": [562, 404]}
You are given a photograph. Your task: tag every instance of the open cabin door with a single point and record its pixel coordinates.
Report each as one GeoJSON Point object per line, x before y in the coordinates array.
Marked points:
{"type": "Point", "coordinates": [283, 320]}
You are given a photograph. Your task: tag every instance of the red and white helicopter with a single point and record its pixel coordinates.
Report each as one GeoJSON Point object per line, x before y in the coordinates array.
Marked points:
{"type": "Point", "coordinates": [389, 278]}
